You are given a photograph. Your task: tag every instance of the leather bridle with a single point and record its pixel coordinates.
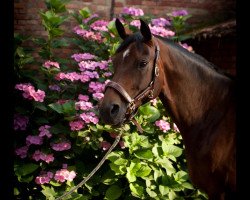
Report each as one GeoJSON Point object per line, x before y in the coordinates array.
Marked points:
{"type": "Point", "coordinates": [147, 93]}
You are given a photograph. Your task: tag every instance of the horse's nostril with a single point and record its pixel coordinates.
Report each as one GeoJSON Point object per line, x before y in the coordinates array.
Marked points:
{"type": "Point", "coordinates": [114, 110]}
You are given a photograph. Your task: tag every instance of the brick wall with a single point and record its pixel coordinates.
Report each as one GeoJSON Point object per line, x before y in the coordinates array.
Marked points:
{"type": "Point", "coordinates": [27, 19]}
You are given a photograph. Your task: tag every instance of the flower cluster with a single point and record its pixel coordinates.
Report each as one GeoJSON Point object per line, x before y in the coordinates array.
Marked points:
{"type": "Point", "coordinates": [48, 64]}
{"type": "Point", "coordinates": [132, 11]}
{"type": "Point", "coordinates": [30, 93]}
{"type": "Point", "coordinates": [38, 155]}
{"type": "Point", "coordinates": [61, 146]}
{"type": "Point", "coordinates": [163, 125]}
{"type": "Point", "coordinates": [63, 174]}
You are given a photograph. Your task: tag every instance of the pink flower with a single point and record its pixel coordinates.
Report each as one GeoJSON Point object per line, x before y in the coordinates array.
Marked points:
{"type": "Point", "coordinates": [99, 25]}
{"type": "Point", "coordinates": [48, 64]}
{"type": "Point", "coordinates": [44, 131]}
{"type": "Point", "coordinates": [132, 11]}
{"type": "Point", "coordinates": [83, 56]}
{"type": "Point", "coordinates": [38, 155]}
{"type": "Point", "coordinates": [20, 122]}
{"type": "Point", "coordinates": [161, 31]}
{"type": "Point", "coordinates": [32, 139]}
{"type": "Point", "coordinates": [107, 74]}
{"type": "Point", "coordinates": [185, 46]}
{"type": "Point", "coordinates": [160, 22]}
{"type": "Point", "coordinates": [61, 146]}
{"type": "Point", "coordinates": [96, 87]}
{"type": "Point", "coordinates": [64, 174]}
{"type": "Point", "coordinates": [89, 117]}
{"type": "Point", "coordinates": [82, 105]}
{"type": "Point", "coordinates": [163, 125]}
{"type": "Point", "coordinates": [30, 93]}
{"type": "Point", "coordinates": [98, 96]}
{"type": "Point", "coordinates": [22, 151]}
{"type": "Point", "coordinates": [44, 178]}
{"type": "Point", "coordinates": [83, 97]}
{"type": "Point", "coordinates": [136, 23]}
{"type": "Point", "coordinates": [76, 125]}
{"type": "Point", "coordinates": [105, 145]}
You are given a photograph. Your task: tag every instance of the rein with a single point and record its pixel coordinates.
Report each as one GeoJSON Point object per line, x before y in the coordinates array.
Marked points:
{"type": "Point", "coordinates": [148, 92]}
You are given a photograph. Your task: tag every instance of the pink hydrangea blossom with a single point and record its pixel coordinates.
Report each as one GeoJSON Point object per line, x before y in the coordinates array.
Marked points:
{"type": "Point", "coordinates": [136, 23]}
{"type": "Point", "coordinates": [82, 105]}
{"type": "Point", "coordinates": [161, 31]}
{"type": "Point", "coordinates": [132, 11]}
{"type": "Point", "coordinates": [160, 22]}
{"type": "Point", "coordinates": [61, 146]}
{"type": "Point", "coordinates": [100, 25]}
{"type": "Point", "coordinates": [30, 93]}
{"type": "Point", "coordinates": [63, 174]}
{"type": "Point", "coordinates": [48, 64]}
{"type": "Point", "coordinates": [82, 97]}
{"type": "Point", "coordinates": [83, 56]}
{"type": "Point", "coordinates": [20, 122]}
{"type": "Point", "coordinates": [154, 102]}
{"type": "Point", "coordinates": [107, 74]}
{"type": "Point", "coordinates": [96, 87]}
{"type": "Point", "coordinates": [45, 177]}
{"type": "Point", "coordinates": [38, 155]}
{"type": "Point", "coordinates": [44, 131]}
{"type": "Point", "coordinates": [33, 139]}
{"type": "Point", "coordinates": [76, 125]}
{"type": "Point", "coordinates": [179, 13]}
{"type": "Point", "coordinates": [105, 145]}
{"type": "Point", "coordinates": [98, 96]}
{"type": "Point", "coordinates": [22, 151]}
{"type": "Point", "coordinates": [88, 35]}
{"type": "Point", "coordinates": [93, 65]}
{"type": "Point", "coordinates": [163, 125]}
{"type": "Point", "coordinates": [89, 117]}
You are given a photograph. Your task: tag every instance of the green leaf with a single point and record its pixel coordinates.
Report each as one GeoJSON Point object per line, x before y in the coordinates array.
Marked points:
{"type": "Point", "coordinates": [69, 107]}
{"type": "Point", "coordinates": [56, 107]}
{"type": "Point", "coordinates": [113, 192]}
{"type": "Point", "coordinates": [163, 190]}
{"type": "Point", "coordinates": [121, 161]}
{"type": "Point", "coordinates": [25, 169]}
{"type": "Point", "coordinates": [181, 176]}
{"type": "Point", "coordinates": [49, 192]}
{"type": "Point", "coordinates": [130, 176]}
{"type": "Point", "coordinates": [151, 193]}
{"type": "Point", "coordinates": [188, 185]}
{"type": "Point", "coordinates": [136, 189]}
{"type": "Point", "coordinates": [170, 149]}
{"type": "Point", "coordinates": [85, 12]}
{"type": "Point", "coordinates": [113, 156]}
{"type": "Point", "coordinates": [54, 183]}
{"type": "Point", "coordinates": [151, 112]}
{"type": "Point", "coordinates": [109, 178]}
{"type": "Point", "coordinates": [40, 106]}
{"type": "Point", "coordinates": [143, 171]}
{"type": "Point", "coordinates": [119, 170]}
{"type": "Point", "coordinates": [144, 154]}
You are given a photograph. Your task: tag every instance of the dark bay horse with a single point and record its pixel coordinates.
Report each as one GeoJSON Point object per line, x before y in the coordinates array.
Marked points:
{"type": "Point", "coordinates": [199, 99]}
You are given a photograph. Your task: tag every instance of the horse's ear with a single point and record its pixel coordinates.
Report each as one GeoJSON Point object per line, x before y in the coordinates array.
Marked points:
{"type": "Point", "coordinates": [120, 29]}
{"type": "Point", "coordinates": [145, 31]}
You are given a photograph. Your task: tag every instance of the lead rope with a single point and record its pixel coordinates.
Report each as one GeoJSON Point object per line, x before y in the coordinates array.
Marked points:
{"type": "Point", "coordinates": [117, 139]}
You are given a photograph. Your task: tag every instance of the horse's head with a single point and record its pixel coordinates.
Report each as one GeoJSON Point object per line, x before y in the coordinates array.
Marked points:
{"type": "Point", "coordinates": [136, 75]}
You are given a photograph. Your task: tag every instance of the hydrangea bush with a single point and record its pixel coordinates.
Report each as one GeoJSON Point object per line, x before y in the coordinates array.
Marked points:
{"type": "Point", "coordinates": [59, 138]}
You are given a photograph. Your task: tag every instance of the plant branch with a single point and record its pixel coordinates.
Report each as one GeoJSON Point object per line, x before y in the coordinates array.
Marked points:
{"type": "Point", "coordinates": [94, 170]}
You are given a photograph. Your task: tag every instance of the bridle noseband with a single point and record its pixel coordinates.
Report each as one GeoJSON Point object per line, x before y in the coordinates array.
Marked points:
{"type": "Point", "coordinates": [148, 92]}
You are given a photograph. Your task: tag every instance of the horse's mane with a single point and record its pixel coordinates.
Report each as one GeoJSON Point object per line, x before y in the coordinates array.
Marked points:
{"type": "Point", "coordinates": [137, 37]}
{"type": "Point", "coordinates": [195, 57]}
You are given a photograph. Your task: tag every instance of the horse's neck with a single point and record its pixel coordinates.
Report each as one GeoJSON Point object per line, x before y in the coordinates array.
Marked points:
{"type": "Point", "coordinates": [194, 95]}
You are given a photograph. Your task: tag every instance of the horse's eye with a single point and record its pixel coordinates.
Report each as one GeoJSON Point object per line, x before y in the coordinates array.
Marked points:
{"type": "Point", "coordinates": [143, 64]}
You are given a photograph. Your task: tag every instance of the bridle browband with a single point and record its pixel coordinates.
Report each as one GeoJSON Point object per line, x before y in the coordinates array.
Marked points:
{"type": "Point", "coordinates": [148, 92]}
